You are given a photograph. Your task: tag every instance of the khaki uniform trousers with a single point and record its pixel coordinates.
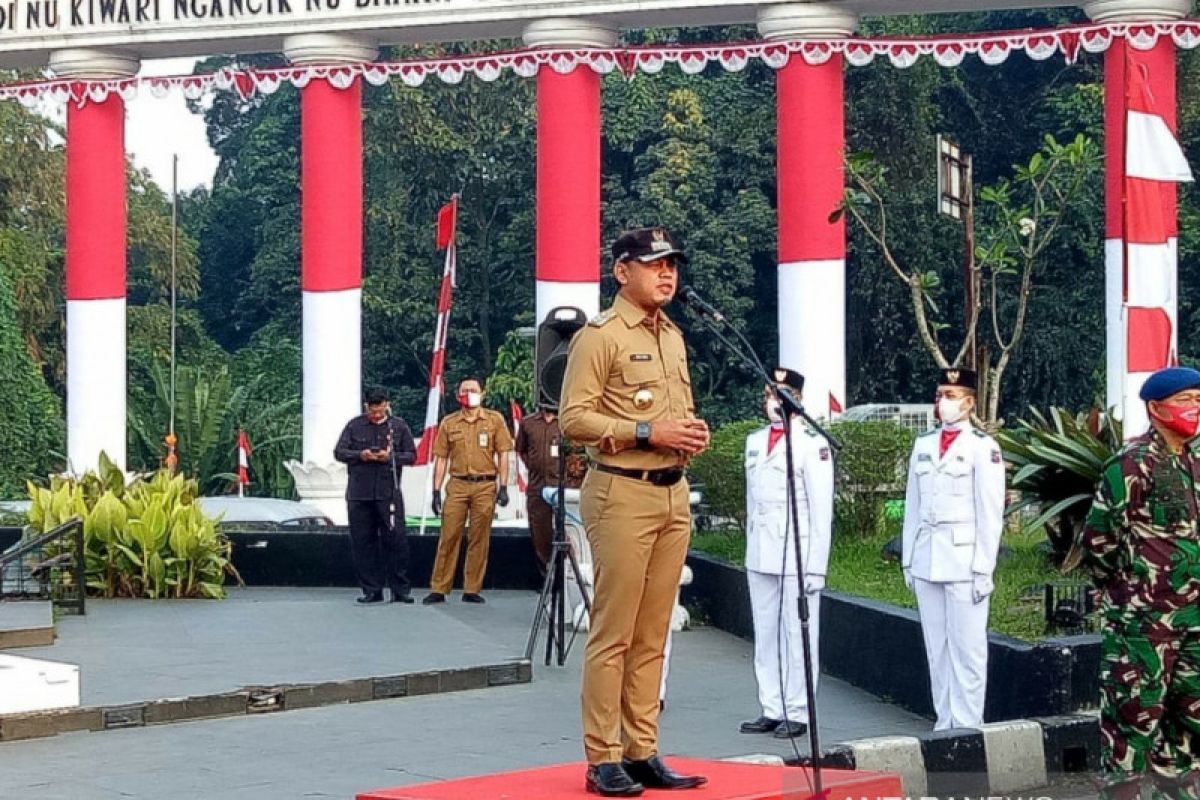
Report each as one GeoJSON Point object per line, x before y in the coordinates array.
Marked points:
{"type": "Point", "coordinates": [541, 528]}
{"type": "Point", "coordinates": [639, 538]}
{"type": "Point", "coordinates": [463, 498]}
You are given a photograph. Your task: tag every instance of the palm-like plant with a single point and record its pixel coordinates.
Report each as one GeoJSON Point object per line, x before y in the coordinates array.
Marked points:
{"type": "Point", "coordinates": [1056, 461]}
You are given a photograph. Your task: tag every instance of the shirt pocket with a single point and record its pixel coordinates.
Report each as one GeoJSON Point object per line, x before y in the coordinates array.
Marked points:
{"type": "Point", "coordinates": [924, 472]}
{"type": "Point", "coordinates": [637, 379]}
{"type": "Point", "coordinates": [956, 478]}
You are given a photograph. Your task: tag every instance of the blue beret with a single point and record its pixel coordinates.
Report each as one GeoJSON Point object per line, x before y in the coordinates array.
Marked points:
{"type": "Point", "coordinates": [1169, 381]}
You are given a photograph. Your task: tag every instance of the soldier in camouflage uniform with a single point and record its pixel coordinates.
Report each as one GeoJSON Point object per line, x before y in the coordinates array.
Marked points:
{"type": "Point", "coordinates": [1142, 546]}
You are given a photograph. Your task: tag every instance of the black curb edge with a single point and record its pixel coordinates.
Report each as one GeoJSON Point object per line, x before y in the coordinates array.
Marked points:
{"type": "Point", "coordinates": [1070, 744]}
{"type": "Point", "coordinates": [262, 700]}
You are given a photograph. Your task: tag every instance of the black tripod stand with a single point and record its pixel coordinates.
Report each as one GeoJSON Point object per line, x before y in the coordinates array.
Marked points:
{"type": "Point", "coordinates": [552, 603]}
{"type": "Point", "coordinates": [791, 408]}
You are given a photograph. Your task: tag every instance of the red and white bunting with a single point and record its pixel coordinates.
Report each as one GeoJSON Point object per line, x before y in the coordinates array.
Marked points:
{"type": "Point", "coordinates": [244, 451]}
{"type": "Point", "coordinates": [446, 230]}
{"type": "Point", "coordinates": [946, 50]}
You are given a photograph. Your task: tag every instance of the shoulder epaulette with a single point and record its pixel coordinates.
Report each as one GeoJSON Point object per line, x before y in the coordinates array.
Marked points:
{"type": "Point", "coordinates": [980, 434]}
{"type": "Point", "coordinates": [603, 318]}
{"type": "Point", "coordinates": [928, 432]}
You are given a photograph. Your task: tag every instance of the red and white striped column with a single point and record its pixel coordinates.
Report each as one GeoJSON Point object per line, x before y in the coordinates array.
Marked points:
{"type": "Point", "coordinates": [568, 247]}
{"type": "Point", "coordinates": [331, 244]}
{"type": "Point", "coordinates": [95, 262]}
{"type": "Point", "coordinates": [812, 250]}
{"type": "Point", "coordinates": [1141, 219]}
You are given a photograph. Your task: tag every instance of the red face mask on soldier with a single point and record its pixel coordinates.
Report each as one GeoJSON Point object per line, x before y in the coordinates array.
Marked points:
{"type": "Point", "coordinates": [1184, 420]}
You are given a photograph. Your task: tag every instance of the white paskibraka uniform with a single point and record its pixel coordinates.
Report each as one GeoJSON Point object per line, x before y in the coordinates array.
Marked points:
{"type": "Point", "coordinates": [953, 518]}
{"type": "Point", "coordinates": [771, 560]}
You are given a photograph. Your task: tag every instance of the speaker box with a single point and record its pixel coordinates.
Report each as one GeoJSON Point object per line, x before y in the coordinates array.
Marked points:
{"type": "Point", "coordinates": [550, 352]}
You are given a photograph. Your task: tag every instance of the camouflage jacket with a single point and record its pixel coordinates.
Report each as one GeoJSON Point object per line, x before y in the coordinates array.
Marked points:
{"type": "Point", "coordinates": [1140, 539]}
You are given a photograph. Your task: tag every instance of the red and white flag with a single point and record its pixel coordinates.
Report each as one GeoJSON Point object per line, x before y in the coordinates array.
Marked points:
{"type": "Point", "coordinates": [244, 451]}
{"type": "Point", "coordinates": [517, 416]}
{"type": "Point", "coordinates": [1154, 163]}
{"type": "Point", "coordinates": [447, 224]}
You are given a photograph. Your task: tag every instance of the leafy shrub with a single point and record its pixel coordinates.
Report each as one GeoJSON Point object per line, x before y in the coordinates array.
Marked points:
{"type": "Point", "coordinates": [31, 431]}
{"type": "Point", "coordinates": [722, 473]}
{"type": "Point", "coordinates": [147, 539]}
{"type": "Point", "coordinates": [871, 469]}
{"type": "Point", "coordinates": [1056, 461]}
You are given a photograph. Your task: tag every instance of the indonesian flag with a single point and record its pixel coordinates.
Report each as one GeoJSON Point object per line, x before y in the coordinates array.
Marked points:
{"type": "Point", "coordinates": [1154, 162]}
{"type": "Point", "coordinates": [517, 416]}
{"type": "Point", "coordinates": [447, 224]}
{"type": "Point", "coordinates": [835, 405]}
{"type": "Point", "coordinates": [244, 451]}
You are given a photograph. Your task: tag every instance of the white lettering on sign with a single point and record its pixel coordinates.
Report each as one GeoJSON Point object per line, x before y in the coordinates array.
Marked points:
{"type": "Point", "coordinates": [32, 29]}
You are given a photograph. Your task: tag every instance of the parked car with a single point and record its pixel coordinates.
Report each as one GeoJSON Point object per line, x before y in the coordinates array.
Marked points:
{"type": "Point", "coordinates": [258, 512]}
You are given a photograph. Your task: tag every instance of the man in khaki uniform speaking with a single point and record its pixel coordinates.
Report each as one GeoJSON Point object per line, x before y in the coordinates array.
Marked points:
{"type": "Point", "coordinates": [473, 444]}
{"type": "Point", "coordinates": [627, 396]}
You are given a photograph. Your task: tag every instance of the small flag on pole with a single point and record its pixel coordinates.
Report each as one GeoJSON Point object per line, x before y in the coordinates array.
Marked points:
{"type": "Point", "coordinates": [517, 416]}
{"type": "Point", "coordinates": [447, 220]}
{"type": "Point", "coordinates": [244, 451]}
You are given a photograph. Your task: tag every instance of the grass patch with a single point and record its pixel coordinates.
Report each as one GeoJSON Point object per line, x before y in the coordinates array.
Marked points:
{"type": "Point", "coordinates": [857, 566]}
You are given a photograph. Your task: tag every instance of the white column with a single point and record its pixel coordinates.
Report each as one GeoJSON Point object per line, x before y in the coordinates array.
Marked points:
{"type": "Point", "coordinates": [568, 243]}
{"type": "Point", "coordinates": [331, 188]}
{"type": "Point", "coordinates": [95, 262]}
{"type": "Point", "coordinates": [1122, 384]}
{"type": "Point", "coordinates": [812, 250]}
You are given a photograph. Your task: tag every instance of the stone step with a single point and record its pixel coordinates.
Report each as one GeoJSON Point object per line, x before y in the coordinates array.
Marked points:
{"type": "Point", "coordinates": [31, 684]}
{"type": "Point", "coordinates": [26, 623]}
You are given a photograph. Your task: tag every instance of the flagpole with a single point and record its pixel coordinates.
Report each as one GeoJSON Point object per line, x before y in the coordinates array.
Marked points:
{"type": "Point", "coordinates": [172, 457]}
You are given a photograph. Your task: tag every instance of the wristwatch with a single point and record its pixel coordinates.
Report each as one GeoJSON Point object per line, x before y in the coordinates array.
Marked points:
{"type": "Point", "coordinates": [642, 433]}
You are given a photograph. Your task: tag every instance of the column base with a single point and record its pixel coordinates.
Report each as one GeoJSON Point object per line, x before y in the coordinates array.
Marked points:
{"type": "Point", "coordinates": [322, 486]}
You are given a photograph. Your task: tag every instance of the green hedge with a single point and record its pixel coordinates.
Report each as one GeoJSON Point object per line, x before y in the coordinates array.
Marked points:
{"type": "Point", "coordinates": [870, 472]}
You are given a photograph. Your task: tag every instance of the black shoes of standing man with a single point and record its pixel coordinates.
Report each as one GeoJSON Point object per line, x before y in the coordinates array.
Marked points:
{"type": "Point", "coordinates": [377, 597]}
{"type": "Point", "coordinates": [630, 778]}
{"type": "Point", "coordinates": [781, 729]}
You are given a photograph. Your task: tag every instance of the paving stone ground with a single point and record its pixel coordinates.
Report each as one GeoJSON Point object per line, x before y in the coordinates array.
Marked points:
{"type": "Point", "coordinates": [132, 651]}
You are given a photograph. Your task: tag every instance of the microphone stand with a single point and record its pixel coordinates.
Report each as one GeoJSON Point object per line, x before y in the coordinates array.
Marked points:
{"type": "Point", "coordinates": [792, 408]}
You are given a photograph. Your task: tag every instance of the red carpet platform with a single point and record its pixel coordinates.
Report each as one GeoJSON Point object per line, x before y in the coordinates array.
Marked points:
{"type": "Point", "coordinates": [726, 781]}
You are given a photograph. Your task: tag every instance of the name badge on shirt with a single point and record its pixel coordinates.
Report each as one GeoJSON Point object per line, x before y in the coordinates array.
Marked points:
{"type": "Point", "coordinates": [483, 440]}
{"type": "Point", "coordinates": [554, 451]}
{"type": "Point", "coordinates": [924, 457]}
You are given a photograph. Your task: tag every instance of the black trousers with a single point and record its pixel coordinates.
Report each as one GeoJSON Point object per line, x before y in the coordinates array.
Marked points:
{"type": "Point", "coordinates": [379, 549]}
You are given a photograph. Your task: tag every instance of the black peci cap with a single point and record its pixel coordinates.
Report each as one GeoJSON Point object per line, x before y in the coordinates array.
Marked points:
{"type": "Point", "coordinates": [647, 244]}
{"type": "Point", "coordinates": [959, 376]}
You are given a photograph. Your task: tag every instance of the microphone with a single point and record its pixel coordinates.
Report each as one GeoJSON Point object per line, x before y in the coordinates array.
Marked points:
{"type": "Point", "coordinates": [690, 298]}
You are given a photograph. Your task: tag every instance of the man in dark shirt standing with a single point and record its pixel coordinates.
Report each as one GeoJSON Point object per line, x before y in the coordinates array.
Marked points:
{"type": "Point", "coordinates": [375, 446]}
{"type": "Point", "coordinates": [537, 444]}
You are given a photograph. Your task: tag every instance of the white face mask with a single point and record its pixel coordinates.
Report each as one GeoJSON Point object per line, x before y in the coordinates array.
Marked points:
{"type": "Point", "coordinates": [773, 411]}
{"type": "Point", "coordinates": [951, 411]}
{"type": "Point", "coordinates": [474, 399]}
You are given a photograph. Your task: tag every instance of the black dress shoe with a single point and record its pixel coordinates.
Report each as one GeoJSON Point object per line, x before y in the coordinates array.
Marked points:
{"type": "Point", "coordinates": [790, 730]}
{"type": "Point", "coordinates": [611, 780]}
{"type": "Point", "coordinates": [405, 598]}
{"type": "Point", "coordinates": [653, 773]}
{"type": "Point", "coordinates": [433, 597]}
{"type": "Point", "coordinates": [473, 598]}
{"type": "Point", "coordinates": [760, 725]}
{"type": "Point", "coordinates": [373, 597]}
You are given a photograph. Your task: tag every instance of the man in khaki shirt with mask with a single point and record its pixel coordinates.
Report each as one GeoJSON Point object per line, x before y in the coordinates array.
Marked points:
{"type": "Point", "coordinates": [472, 445]}
{"type": "Point", "coordinates": [627, 396]}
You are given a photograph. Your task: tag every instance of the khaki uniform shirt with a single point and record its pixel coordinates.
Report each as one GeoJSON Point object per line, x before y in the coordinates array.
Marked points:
{"type": "Point", "coordinates": [471, 447]}
{"type": "Point", "coordinates": [624, 369]}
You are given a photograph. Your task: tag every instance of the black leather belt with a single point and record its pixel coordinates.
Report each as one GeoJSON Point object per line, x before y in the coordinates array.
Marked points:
{"type": "Point", "coordinates": [658, 477]}
{"type": "Point", "coordinates": [474, 478]}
